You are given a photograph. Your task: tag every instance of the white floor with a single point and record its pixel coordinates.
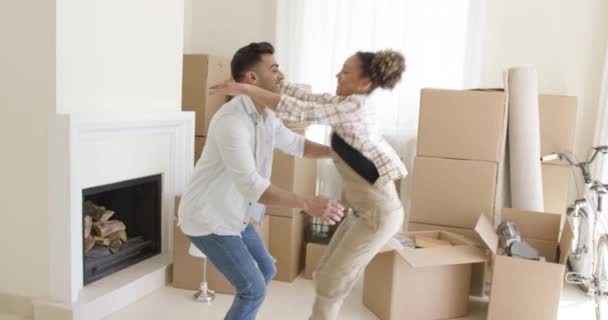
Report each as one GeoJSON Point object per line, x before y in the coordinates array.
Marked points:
{"type": "Point", "coordinates": [293, 301]}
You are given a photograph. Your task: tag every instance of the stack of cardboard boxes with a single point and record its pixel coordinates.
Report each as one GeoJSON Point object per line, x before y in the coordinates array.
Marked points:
{"type": "Point", "coordinates": [461, 144]}
{"type": "Point", "coordinates": [287, 245]}
{"type": "Point", "coordinates": [200, 72]}
{"type": "Point", "coordinates": [459, 173]}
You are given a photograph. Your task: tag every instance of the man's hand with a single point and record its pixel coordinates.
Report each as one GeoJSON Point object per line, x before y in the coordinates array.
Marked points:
{"type": "Point", "coordinates": [328, 209]}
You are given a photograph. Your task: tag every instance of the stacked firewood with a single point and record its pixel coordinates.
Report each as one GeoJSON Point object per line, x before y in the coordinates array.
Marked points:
{"type": "Point", "coordinates": [99, 230]}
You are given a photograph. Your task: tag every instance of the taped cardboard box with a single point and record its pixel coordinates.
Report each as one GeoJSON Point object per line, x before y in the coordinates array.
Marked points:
{"type": "Point", "coordinates": [451, 192]}
{"type": "Point", "coordinates": [286, 235]}
{"type": "Point", "coordinates": [462, 124]}
{"type": "Point", "coordinates": [200, 72]}
{"type": "Point", "coordinates": [314, 253]}
{"type": "Point", "coordinates": [293, 174]}
{"type": "Point", "coordinates": [430, 283]}
{"type": "Point", "coordinates": [526, 289]}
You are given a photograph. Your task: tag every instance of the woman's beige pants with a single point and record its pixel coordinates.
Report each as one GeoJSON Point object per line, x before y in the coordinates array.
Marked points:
{"type": "Point", "coordinates": [378, 217]}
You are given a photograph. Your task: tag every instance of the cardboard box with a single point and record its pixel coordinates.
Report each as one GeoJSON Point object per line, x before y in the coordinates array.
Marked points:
{"type": "Point", "coordinates": [287, 245]}
{"type": "Point", "coordinates": [556, 183]}
{"type": "Point", "coordinates": [314, 253]}
{"type": "Point", "coordinates": [293, 174]}
{"type": "Point", "coordinates": [537, 228]}
{"type": "Point", "coordinates": [467, 233]}
{"type": "Point", "coordinates": [462, 124]}
{"type": "Point", "coordinates": [525, 289]}
{"type": "Point", "coordinates": [200, 71]}
{"type": "Point", "coordinates": [557, 115]}
{"type": "Point", "coordinates": [188, 270]}
{"type": "Point", "coordinates": [431, 283]}
{"type": "Point", "coordinates": [478, 273]}
{"type": "Point", "coordinates": [199, 143]}
{"type": "Point", "coordinates": [452, 193]}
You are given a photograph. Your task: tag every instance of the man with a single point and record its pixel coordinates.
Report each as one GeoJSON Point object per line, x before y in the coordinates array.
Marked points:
{"type": "Point", "coordinates": [230, 185]}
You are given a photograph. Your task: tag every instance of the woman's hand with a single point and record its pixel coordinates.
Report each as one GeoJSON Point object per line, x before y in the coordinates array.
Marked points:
{"type": "Point", "coordinates": [228, 88]}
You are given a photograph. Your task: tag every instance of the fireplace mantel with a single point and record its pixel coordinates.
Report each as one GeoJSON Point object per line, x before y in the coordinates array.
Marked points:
{"type": "Point", "coordinates": [91, 149]}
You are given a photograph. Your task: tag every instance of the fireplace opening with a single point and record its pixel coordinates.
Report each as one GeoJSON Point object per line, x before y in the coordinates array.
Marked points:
{"type": "Point", "coordinates": [121, 225]}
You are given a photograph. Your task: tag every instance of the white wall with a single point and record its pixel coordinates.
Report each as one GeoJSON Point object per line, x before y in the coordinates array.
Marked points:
{"type": "Point", "coordinates": [27, 95]}
{"type": "Point", "coordinates": [70, 56]}
{"type": "Point", "coordinates": [221, 27]}
{"type": "Point", "coordinates": [119, 55]}
{"type": "Point", "coordinates": [565, 40]}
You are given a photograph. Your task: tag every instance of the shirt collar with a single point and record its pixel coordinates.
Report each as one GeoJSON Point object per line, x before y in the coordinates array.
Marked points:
{"type": "Point", "coordinates": [251, 110]}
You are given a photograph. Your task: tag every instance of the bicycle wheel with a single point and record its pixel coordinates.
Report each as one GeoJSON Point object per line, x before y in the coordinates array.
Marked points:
{"type": "Point", "coordinates": [600, 276]}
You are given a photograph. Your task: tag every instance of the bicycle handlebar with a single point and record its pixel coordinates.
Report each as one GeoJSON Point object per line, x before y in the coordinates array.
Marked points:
{"type": "Point", "coordinates": [584, 166]}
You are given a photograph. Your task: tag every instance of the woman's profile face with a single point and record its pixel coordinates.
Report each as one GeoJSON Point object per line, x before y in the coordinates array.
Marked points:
{"type": "Point", "coordinates": [350, 80]}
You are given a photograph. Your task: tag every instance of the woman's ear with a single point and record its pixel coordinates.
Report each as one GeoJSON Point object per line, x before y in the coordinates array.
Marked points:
{"type": "Point", "coordinates": [365, 85]}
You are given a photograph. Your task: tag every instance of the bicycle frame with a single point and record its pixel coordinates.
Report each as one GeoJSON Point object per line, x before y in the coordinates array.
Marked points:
{"type": "Point", "coordinates": [584, 216]}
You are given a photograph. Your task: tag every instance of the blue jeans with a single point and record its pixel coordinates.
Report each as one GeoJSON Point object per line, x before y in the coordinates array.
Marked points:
{"type": "Point", "coordinates": [246, 263]}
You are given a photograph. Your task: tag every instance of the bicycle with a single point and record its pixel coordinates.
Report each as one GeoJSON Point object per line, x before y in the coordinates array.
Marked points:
{"type": "Point", "coordinates": [589, 257]}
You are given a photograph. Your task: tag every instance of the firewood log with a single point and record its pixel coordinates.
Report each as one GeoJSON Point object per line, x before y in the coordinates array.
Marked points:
{"type": "Point", "coordinates": [103, 229]}
{"type": "Point", "coordinates": [88, 224]}
{"type": "Point", "coordinates": [89, 243]}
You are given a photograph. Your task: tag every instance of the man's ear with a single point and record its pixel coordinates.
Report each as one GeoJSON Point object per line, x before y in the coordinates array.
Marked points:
{"type": "Point", "coordinates": [250, 77]}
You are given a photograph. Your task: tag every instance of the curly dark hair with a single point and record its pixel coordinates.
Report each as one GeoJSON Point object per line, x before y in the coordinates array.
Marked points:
{"type": "Point", "coordinates": [247, 57]}
{"type": "Point", "coordinates": [384, 68]}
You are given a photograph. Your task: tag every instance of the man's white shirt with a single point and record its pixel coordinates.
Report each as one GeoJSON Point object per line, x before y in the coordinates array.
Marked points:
{"type": "Point", "coordinates": [234, 169]}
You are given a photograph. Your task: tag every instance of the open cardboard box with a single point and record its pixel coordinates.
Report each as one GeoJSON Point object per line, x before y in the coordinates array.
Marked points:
{"type": "Point", "coordinates": [479, 273]}
{"type": "Point", "coordinates": [526, 289]}
{"type": "Point", "coordinates": [430, 283]}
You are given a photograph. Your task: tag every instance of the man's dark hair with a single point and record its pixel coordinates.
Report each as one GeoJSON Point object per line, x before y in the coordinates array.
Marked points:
{"type": "Point", "coordinates": [247, 57]}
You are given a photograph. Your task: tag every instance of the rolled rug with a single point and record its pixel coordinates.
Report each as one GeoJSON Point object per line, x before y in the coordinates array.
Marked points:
{"type": "Point", "coordinates": [521, 85]}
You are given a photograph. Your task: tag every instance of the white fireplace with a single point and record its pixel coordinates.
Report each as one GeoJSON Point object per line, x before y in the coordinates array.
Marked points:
{"type": "Point", "coordinates": [94, 149]}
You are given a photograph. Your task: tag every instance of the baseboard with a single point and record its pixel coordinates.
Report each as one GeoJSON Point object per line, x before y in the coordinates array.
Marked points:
{"type": "Point", "coordinates": [16, 305]}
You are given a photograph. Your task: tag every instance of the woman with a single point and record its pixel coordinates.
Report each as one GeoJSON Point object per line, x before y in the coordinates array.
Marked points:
{"type": "Point", "coordinates": [365, 161]}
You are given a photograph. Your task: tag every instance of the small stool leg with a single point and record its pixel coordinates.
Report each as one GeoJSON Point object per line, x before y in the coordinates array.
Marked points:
{"type": "Point", "coordinates": [204, 294]}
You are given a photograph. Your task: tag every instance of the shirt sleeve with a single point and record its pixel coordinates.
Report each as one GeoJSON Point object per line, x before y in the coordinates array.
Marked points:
{"type": "Point", "coordinates": [289, 141]}
{"type": "Point", "coordinates": [334, 111]}
{"type": "Point", "coordinates": [299, 91]}
{"type": "Point", "coordinates": [232, 143]}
